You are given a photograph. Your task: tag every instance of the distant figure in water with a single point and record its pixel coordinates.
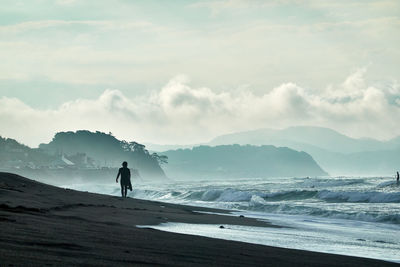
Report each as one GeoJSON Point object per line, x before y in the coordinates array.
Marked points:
{"type": "Point", "coordinates": [125, 178]}
{"type": "Point", "coordinates": [398, 177]}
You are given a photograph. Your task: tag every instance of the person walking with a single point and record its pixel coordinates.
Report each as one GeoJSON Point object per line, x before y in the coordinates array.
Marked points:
{"type": "Point", "coordinates": [125, 174]}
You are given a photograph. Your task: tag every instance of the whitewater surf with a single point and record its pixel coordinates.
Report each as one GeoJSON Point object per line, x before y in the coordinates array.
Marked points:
{"type": "Point", "coordinates": [362, 214]}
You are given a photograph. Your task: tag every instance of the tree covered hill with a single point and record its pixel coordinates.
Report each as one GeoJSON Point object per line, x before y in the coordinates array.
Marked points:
{"type": "Point", "coordinates": [106, 150]}
{"type": "Point", "coordinates": [80, 150]}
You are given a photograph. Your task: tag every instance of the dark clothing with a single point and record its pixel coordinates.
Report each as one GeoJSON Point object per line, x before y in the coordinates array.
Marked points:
{"type": "Point", "coordinates": [125, 180]}
{"type": "Point", "coordinates": [125, 176]}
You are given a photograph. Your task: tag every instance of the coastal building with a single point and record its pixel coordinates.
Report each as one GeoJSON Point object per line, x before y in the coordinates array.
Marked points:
{"type": "Point", "coordinates": [61, 162]}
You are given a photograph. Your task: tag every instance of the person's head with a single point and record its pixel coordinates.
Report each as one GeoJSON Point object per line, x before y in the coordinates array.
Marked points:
{"type": "Point", "coordinates": [124, 164]}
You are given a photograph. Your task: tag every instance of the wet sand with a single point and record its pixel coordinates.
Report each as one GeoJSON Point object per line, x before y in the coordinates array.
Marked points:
{"type": "Point", "coordinates": [46, 225]}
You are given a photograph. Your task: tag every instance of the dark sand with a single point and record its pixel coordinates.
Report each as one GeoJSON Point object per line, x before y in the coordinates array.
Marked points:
{"type": "Point", "coordinates": [45, 225]}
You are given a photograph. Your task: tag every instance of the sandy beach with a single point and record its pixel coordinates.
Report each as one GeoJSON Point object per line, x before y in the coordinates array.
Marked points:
{"type": "Point", "coordinates": [46, 225]}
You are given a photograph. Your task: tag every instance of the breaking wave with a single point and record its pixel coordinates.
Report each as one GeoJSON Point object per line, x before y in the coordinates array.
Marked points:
{"type": "Point", "coordinates": [259, 204]}
{"type": "Point", "coordinates": [234, 195]}
{"type": "Point", "coordinates": [364, 197]}
{"type": "Point", "coordinates": [304, 202]}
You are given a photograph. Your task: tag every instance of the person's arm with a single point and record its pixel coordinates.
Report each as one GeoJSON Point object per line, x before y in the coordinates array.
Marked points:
{"type": "Point", "coordinates": [119, 172]}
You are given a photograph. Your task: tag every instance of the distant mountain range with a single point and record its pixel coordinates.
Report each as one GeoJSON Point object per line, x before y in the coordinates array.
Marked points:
{"type": "Point", "coordinates": [235, 161]}
{"type": "Point", "coordinates": [336, 153]}
{"type": "Point", "coordinates": [318, 137]}
{"type": "Point", "coordinates": [263, 152]}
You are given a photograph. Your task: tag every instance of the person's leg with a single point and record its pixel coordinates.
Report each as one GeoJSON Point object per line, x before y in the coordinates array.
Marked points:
{"type": "Point", "coordinates": [125, 190]}
{"type": "Point", "coordinates": [122, 190]}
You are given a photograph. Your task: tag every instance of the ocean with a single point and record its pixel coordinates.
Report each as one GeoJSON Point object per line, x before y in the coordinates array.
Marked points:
{"type": "Point", "coordinates": [358, 216]}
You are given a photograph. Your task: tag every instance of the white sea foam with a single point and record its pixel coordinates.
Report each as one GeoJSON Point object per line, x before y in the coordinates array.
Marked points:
{"type": "Point", "coordinates": [354, 196]}
{"type": "Point", "coordinates": [307, 205]}
{"type": "Point", "coordinates": [365, 199]}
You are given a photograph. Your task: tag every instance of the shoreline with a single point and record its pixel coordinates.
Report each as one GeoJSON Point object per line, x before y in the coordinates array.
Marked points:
{"type": "Point", "coordinates": [42, 224]}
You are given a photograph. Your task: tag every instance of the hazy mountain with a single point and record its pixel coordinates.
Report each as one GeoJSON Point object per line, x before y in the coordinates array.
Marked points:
{"type": "Point", "coordinates": [161, 148]}
{"type": "Point", "coordinates": [336, 153]}
{"type": "Point", "coordinates": [106, 150]}
{"type": "Point", "coordinates": [323, 138]}
{"type": "Point", "coordinates": [235, 161]}
{"type": "Point", "coordinates": [294, 137]}
{"type": "Point", "coordinates": [384, 162]}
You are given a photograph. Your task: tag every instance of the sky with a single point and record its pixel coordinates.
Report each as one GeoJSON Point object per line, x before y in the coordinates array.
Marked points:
{"type": "Point", "coordinates": [182, 72]}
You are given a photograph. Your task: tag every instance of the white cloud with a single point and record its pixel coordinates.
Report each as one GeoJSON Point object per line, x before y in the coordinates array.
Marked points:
{"type": "Point", "coordinates": [66, 2]}
{"type": "Point", "coordinates": [179, 113]}
{"type": "Point", "coordinates": [219, 6]}
{"type": "Point", "coordinates": [138, 51]}
{"type": "Point", "coordinates": [101, 24]}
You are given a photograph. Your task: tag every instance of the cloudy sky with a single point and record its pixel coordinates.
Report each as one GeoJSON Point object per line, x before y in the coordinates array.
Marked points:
{"type": "Point", "coordinates": [183, 72]}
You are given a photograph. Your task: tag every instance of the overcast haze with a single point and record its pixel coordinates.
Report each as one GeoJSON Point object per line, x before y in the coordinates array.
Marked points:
{"type": "Point", "coordinates": [186, 71]}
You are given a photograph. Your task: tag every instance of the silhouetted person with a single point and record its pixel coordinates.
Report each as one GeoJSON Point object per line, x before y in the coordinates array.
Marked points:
{"type": "Point", "coordinates": [125, 178]}
{"type": "Point", "coordinates": [398, 177]}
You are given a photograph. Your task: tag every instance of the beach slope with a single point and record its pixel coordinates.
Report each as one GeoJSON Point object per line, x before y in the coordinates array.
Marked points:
{"type": "Point", "coordinates": [46, 225]}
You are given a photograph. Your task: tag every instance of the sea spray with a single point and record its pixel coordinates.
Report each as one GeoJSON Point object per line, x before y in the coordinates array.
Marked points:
{"type": "Point", "coordinates": [363, 199]}
{"type": "Point", "coordinates": [372, 199]}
